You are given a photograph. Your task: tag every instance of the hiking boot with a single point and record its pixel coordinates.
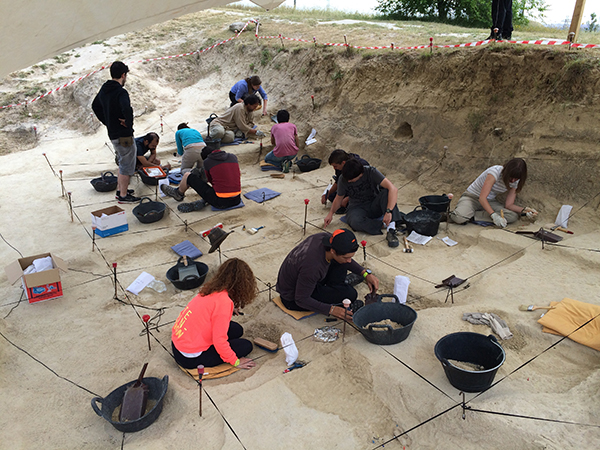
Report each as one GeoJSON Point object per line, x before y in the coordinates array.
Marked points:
{"type": "Point", "coordinates": [118, 194]}
{"type": "Point", "coordinates": [286, 166]}
{"type": "Point", "coordinates": [354, 279]}
{"type": "Point", "coordinates": [192, 206]}
{"type": "Point", "coordinates": [341, 210]}
{"type": "Point", "coordinates": [128, 199]}
{"type": "Point", "coordinates": [172, 192]}
{"type": "Point", "coordinates": [392, 238]}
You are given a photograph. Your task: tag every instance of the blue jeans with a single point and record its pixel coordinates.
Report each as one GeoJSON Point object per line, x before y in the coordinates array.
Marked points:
{"type": "Point", "coordinates": [277, 161]}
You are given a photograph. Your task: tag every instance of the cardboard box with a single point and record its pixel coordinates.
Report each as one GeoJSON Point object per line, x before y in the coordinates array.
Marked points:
{"type": "Point", "coordinates": [40, 285]}
{"type": "Point", "coordinates": [114, 222]}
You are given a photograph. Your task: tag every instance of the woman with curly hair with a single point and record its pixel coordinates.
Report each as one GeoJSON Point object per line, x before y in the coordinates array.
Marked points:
{"type": "Point", "coordinates": [203, 333]}
{"type": "Point", "coordinates": [479, 201]}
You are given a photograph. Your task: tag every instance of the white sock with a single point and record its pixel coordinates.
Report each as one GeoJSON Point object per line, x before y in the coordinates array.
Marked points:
{"type": "Point", "coordinates": [391, 226]}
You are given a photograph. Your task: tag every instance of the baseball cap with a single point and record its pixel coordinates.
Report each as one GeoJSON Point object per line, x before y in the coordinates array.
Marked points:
{"type": "Point", "coordinates": [343, 241]}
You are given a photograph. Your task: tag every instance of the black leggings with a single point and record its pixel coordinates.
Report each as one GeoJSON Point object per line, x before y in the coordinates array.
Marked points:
{"type": "Point", "coordinates": [232, 98]}
{"type": "Point", "coordinates": [210, 357]}
{"type": "Point", "coordinates": [332, 290]}
{"type": "Point", "coordinates": [207, 192]}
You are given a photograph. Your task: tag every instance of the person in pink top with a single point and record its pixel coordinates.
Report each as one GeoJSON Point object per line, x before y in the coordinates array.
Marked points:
{"type": "Point", "coordinates": [203, 333]}
{"type": "Point", "coordinates": [284, 136]}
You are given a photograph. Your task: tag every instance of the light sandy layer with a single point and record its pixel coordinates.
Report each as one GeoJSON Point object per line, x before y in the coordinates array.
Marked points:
{"type": "Point", "coordinates": [350, 395]}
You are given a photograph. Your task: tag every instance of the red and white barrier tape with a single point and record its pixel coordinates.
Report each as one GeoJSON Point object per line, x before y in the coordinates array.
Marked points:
{"type": "Point", "coordinates": [314, 41]}
{"type": "Point", "coordinates": [26, 102]}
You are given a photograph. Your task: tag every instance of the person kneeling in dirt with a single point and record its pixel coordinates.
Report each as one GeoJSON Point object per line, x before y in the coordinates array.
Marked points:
{"type": "Point", "coordinates": [204, 333]}
{"type": "Point", "coordinates": [479, 202]}
{"type": "Point", "coordinates": [145, 144]}
{"type": "Point", "coordinates": [312, 276]}
{"type": "Point", "coordinates": [222, 171]}
{"type": "Point", "coordinates": [337, 159]}
{"type": "Point", "coordinates": [236, 121]}
{"type": "Point", "coordinates": [189, 145]}
{"type": "Point", "coordinates": [284, 136]}
{"type": "Point", "coordinates": [371, 196]}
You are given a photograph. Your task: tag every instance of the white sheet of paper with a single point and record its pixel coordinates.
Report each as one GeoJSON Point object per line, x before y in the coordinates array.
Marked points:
{"type": "Point", "coordinates": [401, 287]}
{"type": "Point", "coordinates": [449, 242]}
{"type": "Point", "coordinates": [160, 182]}
{"type": "Point", "coordinates": [311, 137]}
{"type": "Point", "coordinates": [326, 191]}
{"type": "Point", "coordinates": [143, 280]}
{"type": "Point", "coordinates": [417, 238]}
{"type": "Point", "coordinates": [562, 219]}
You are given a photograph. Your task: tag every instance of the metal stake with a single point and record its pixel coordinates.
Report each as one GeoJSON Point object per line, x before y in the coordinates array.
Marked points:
{"type": "Point", "coordinates": [93, 237]}
{"type": "Point", "coordinates": [200, 373]}
{"type": "Point", "coordinates": [62, 184]}
{"type": "Point", "coordinates": [346, 303]}
{"type": "Point", "coordinates": [48, 161]}
{"type": "Point", "coordinates": [70, 206]}
{"type": "Point", "coordinates": [115, 276]}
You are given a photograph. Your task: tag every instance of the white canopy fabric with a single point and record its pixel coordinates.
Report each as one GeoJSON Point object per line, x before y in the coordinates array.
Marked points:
{"type": "Point", "coordinates": [34, 30]}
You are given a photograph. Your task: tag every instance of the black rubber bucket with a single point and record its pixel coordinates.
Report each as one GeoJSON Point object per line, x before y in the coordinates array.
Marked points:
{"type": "Point", "coordinates": [423, 221]}
{"type": "Point", "coordinates": [148, 211]}
{"type": "Point", "coordinates": [190, 282]}
{"type": "Point", "coordinates": [157, 389]}
{"type": "Point", "coordinates": [437, 203]}
{"type": "Point", "coordinates": [106, 183]}
{"type": "Point", "coordinates": [375, 312]}
{"type": "Point", "coordinates": [471, 348]}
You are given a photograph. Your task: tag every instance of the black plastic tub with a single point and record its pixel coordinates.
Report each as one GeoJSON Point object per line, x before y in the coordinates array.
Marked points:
{"type": "Point", "coordinates": [375, 312]}
{"type": "Point", "coordinates": [423, 221]}
{"type": "Point", "coordinates": [190, 282]}
{"type": "Point", "coordinates": [471, 348]}
{"type": "Point", "coordinates": [106, 183]}
{"type": "Point", "coordinates": [157, 389]}
{"type": "Point", "coordinates": [148, 211]}
{"type": "Point", "coordinates": [437, 203]}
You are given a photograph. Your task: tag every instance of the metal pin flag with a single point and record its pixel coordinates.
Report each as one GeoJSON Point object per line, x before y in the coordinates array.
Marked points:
{"type": "Point", "coordinates": [146, 318]}
{"type": "Point", "coordinates": [306, 201]}
{"type": "Point", "coordinates": [430, 45]}
{"type": "Point", "coordinates": [346, 303]}
{"type": "Point", "coordinates": [364, 246]}
{"type": "Point", "coordinates": [200, 373]}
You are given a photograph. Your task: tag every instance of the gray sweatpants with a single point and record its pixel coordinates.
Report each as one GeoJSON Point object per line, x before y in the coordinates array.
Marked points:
{"type": "Point", "coordinates": [468, 207]}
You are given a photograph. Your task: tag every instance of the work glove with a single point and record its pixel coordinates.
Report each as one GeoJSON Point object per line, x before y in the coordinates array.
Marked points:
{"type": "Point", "coordinates": [260, 134]}
{"type": "Point", "coordinates": [530, 213]}
{"type": "Point", "coordinates": [500, 222]}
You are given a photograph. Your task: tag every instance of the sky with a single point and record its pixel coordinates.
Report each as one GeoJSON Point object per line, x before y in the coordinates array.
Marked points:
{"type": "Point", "coordinates": [558, 10]}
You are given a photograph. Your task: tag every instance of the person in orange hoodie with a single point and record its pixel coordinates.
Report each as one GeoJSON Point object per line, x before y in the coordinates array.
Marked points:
{"type": "Point", "coordinates": [203, 333]}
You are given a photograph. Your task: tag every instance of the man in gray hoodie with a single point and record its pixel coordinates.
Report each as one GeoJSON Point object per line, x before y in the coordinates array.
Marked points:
{"type": "Point", "coordinates": [113, 109]}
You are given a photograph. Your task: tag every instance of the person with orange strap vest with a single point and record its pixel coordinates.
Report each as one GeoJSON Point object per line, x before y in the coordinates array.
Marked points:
{"type": "Point", "coordinates": [204, 333]}
{"type": "Point", "coordinates": [221, 189]}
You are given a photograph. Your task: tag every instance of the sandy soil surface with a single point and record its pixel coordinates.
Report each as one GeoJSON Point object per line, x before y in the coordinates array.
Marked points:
{"type": "Point", "coordinates": [398, 113]}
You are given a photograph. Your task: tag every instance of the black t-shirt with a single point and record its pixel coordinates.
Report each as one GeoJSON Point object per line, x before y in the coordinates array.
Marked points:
{"type": "Point", "coordinates": [364, 190]}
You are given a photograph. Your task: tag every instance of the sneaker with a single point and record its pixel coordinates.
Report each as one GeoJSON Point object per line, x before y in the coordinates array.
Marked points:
{"type": "Point", "coordinates": [392, 238]}
{"type": "Point", "coordinates": [341, 210]}
{"type": "Point", "coordinates": [356, 305]}
{"type": "Point", "coordinates": [192, 206]}
{"type": "Point", "coordinates": [118, 194]}
{"type": "Point", "coordinates": [128, 199]}
{"type": "Point", "coordinates": [354, 279]}
{"type": "Point", "coordinates": [286, 166]}
{"type": "Point", "coordinates": [172, 192]}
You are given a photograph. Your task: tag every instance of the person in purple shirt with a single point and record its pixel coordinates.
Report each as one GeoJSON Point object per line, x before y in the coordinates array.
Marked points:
{"type": "Point", "coordinates": [312, 276]}
{"type": "Point", "coordinates": [248, 86]}
{"type": "Point", "coordinates": [284, 136]}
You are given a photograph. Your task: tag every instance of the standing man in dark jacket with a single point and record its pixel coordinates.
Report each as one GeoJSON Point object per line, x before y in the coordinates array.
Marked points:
{"type": "Point", "coordinates": [222, 172]}
{"type": "Point", "coordinates": [113, 109]}
{"type": "Point", "coordinates": [502, 19]}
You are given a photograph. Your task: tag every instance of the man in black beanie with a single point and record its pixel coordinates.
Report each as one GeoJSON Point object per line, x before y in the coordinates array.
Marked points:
{"type": "Point", "coordinates": [312, 276]}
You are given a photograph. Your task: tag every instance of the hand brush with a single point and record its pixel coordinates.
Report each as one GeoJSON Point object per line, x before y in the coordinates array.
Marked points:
{"type": "Point", "coordinates": [533, 307]}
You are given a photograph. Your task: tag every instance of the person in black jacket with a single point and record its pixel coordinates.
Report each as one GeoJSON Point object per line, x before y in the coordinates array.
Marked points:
{"type": "Point", "coordinates": [113, 109]}
{"type": "Point", "coordinates": [502, 19]}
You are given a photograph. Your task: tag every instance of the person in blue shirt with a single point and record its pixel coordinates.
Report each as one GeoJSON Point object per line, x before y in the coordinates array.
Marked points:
{"type": "Point", "coordinates": [189, 145]}
{"type": "Point", "coordinates": [248, 86]}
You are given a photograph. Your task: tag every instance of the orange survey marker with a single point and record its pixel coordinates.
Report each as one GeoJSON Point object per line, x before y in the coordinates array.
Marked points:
{"type": "Point", "coordinates": [206, 232]}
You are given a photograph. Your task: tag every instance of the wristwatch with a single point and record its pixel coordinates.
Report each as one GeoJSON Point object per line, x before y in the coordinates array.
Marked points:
{"type": "Point", "coordinates": [367, 273]}
{"type": "Point", "coordinates": [388, 210]}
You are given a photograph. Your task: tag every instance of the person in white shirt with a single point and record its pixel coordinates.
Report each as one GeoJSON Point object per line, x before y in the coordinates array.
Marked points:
{"type": "Point", "coordinates": [479, 201]}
